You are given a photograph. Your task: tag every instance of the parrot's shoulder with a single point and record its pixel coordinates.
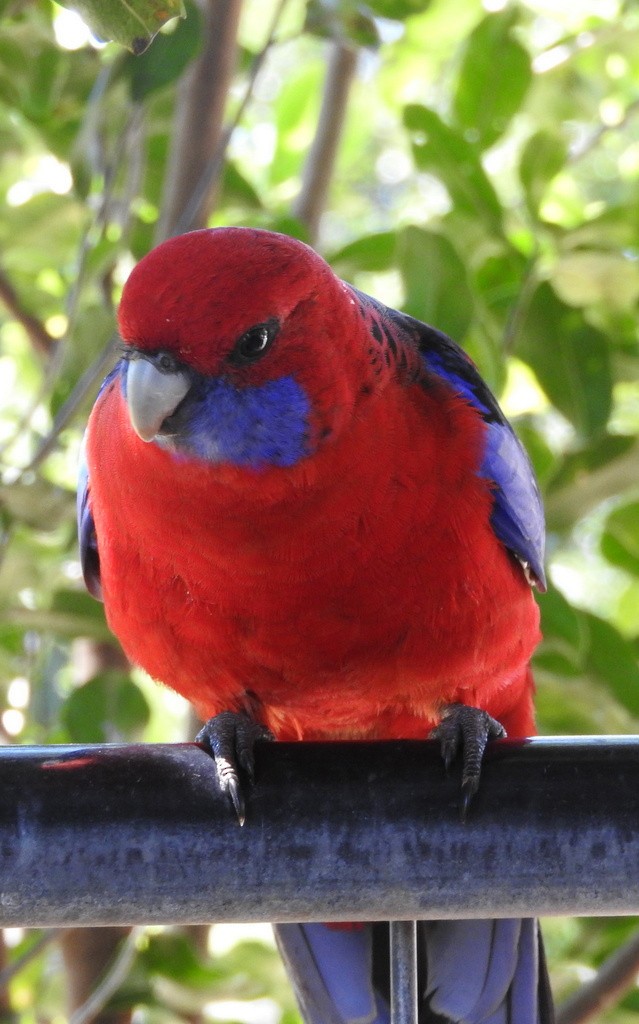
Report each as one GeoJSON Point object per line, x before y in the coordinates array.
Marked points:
{"type": "Point", "coordinates": [422, 352]}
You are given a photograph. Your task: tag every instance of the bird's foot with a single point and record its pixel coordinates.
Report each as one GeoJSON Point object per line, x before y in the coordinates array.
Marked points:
{"type": "Point", "coordinates": [230, 738]}
{"type": "Point", "coordinates": [466, 729]}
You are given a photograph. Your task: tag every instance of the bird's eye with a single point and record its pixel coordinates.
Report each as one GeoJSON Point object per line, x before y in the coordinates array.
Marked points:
{"type": "Point", "coordinates": [166, 362]}
{"type": "Point", "coordinates": [254, 343]}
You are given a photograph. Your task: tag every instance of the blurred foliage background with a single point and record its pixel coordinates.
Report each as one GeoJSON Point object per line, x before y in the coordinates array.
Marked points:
{"type": "Point", "coordinates": [476, 164]}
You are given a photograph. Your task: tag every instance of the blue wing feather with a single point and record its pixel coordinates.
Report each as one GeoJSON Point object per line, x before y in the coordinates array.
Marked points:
{"type": "Point", "coordinates": [87, 537]}
{"type": "Point", "coordinates": [89, 554]}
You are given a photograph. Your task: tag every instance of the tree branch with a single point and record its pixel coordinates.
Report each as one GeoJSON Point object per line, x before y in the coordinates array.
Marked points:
{"type": "Point", "coordinates": [320, 162]}
{"type": "Point", "coordinates": [601, 131]}
{"type": "Point", "coordinates": [519, 308]}
{"type": "Point", "coordinates": [66, 413]}
{"type": "Point", "coordinates": [42, 341]}
{"type": "Point", "coordinates": [89, 954]}
{"type": "Point", "coordinates": [199, 116]}
{"type": "Point", "coordinates": [617, 974]}
{"type": "Point", "coordinates": [568, 504]}
{"type": "Point", "coordinates": [212, 170]}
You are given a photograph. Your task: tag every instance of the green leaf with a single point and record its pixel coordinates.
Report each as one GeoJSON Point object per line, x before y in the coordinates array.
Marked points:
{"type": "Point", "coordinates": [346, 19]}
{"type": "Point", "coordinates": [70, 612]}
{"type": "Point", "coordinates": [596, 666]}
{"type": "Point", "coordinates": [613, 661]}
{"type": "Point", "coordinates": [131, 711]}
{"type": "Point", "coordinates": [499, 280]}
{"type": "Point", "coordinates": [38, 103]}
{"type": "Point", "coordinates": [586, 277]}
{"type": "Point", "coordinates": [84, 713]}
{"type": "Point", "coordinates": [284, 224]}
{"type": "Point", "coordinates": [616, 227]}
{"type": "Point", "coordinates": [173, 956]}
{"type": "Point", "coordinates": [398, 10]}
{"type": "Point", "coordinates": [371, 253]}
{"type": "Point", "coordinates": [75, 602]}
{"type": "Point", "coordinates": [590, 457]}
{"type": "Point", "coordinates": [627, 611]}
{"type": "Point", "coordinates": [445, 153]}
{"type": "Point", "coordinates": [493, 80]}
{"type": "Point", "coordinates": [295, 113]}
{"type": "Point", "coordinates": [58, 219]}
{"type": "Point", "coordinates": [564, 637]}
{"type": "Point", "coordinates": [39, 504]}
{"type": "Point", "coordinates": [542, 456]}
{"type": "Point", "coordinates": [570, 358]}
{"type": "Point", "coordinates": [237, 189]}
{"type": "Point", "coordinates": [560, 620]}
{"type": "Point", "coordinates": [556, 663]}
{"type": "Point", "coordinates": [486, 352]}
{"type": "Point", "coordinates": [165, 61]}
{"type": "Point", "coordinates": [577, 705]}
{"type": "Point", "coordinates": [435, 282]}
{"type": "Point", "coordinates": [542, 158]}
{"type": "Point", "coordinates": [11, 639]}
{"type": "Point", "coordinates": [620, 540]}
{"type": "Point", "coordinates": [109, 707]}
{"type": "Point", "coordinates": [132, 23]}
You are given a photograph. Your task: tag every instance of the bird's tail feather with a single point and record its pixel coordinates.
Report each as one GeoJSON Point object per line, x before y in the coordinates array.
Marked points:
{"type": "Point", "coordinates": [471, 972]}
{"type": "Point", "coordinates": [331, 973]}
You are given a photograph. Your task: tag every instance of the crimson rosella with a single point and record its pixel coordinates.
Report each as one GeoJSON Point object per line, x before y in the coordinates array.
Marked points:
{"type": "Point", "coordinates": [306, 512]}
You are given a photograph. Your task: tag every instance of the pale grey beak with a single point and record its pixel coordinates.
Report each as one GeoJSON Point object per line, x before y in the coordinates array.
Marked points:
{"type": "Point", "coordinates": [152, 395]}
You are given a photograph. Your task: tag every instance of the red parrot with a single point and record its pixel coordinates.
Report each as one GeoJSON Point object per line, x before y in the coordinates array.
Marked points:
{"type": "Point", "coordinates": [306, 512]}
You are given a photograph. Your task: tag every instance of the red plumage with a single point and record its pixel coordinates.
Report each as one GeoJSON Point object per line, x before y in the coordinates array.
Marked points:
{"type": "Point", "coordinates": [351, 594]}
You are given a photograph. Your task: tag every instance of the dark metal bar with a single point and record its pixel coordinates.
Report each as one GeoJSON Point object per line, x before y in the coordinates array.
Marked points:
{"type": "Point", "coordinates": [403, 968]}
{"type": "Point", "coordinates": [340, 831]}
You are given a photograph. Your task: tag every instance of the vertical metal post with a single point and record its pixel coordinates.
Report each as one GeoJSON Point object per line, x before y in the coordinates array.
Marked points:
{"type": "Point", "coordinates": [403, 955]}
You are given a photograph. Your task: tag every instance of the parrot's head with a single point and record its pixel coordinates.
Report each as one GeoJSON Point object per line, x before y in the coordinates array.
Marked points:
{"type": "Point", "coordinates": [240, 347]}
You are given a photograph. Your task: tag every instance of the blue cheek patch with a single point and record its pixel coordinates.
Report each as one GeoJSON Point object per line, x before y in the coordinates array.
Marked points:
{"type": "Point", "coordinates": [267, 425]}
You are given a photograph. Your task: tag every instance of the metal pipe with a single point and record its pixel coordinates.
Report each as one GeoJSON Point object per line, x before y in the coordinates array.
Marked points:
{"type": "Point", "coordinates": [403, 972]}
{"type": "Point", "coordinates": [340, 831]}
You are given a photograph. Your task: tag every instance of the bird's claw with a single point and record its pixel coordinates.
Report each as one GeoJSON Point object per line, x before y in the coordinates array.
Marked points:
{"type": "Point", "coordinates": [467, 730]}
{"type": "Point", "coordinates": [230, 738]}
